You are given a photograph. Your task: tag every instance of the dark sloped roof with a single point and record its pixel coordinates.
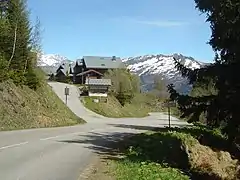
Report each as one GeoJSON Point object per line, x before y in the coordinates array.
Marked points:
{"type": "Point", "coordinates": [103, 62]}
{"type": "Point", "coordinates": [66, 67]}
{"type": "Point", "coordinates": [86, 72]}
{"type": "Point", "coordinates": [106, 82]}
{"type": "Point", "coordinates": [79, 62]}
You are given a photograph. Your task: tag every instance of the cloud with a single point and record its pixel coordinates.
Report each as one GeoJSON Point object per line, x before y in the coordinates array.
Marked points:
{"type": "Point", "coordinates": [156, 23]}
{"type": "Point", "coordinates": [162, 23]}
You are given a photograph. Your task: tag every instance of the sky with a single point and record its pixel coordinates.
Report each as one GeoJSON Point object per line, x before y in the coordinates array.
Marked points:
{"type": "Point", "coordinates": [124, 28]}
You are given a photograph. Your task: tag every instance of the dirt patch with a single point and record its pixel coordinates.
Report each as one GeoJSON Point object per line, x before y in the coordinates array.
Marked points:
{"type": "Point", "coordinates": [100, 169]}
{"type": "Point", "coordinates": [213, 164]}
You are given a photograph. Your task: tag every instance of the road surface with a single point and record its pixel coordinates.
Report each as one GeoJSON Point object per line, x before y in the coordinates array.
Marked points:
{"type": "Point", "coordinates": [64, 153]}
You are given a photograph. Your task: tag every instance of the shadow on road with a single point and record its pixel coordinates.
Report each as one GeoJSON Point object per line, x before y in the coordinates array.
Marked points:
{"type": "Point", "coordinates": [109, 143]}
{"type": "Point", "coordinates": [102, 143]}
{"type": "Point", "coordinates": [149, 128]}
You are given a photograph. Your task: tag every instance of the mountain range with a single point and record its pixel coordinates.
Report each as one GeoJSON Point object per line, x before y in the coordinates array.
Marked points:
{"type": "Point", "coordinates": [147, 67]}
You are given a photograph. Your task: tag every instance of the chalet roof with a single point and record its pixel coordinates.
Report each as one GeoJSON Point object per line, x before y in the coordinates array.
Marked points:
{"type": "Point", "coordinates": [103, 62]}
{"type": "Point", "coordinates": [105, 82]}
{"type": "Point", "coordinates": [91, 70]}
{"type": "Point", "coordinates": [79, 62]}
{"type": "Point", "coordinates": [65, 67]}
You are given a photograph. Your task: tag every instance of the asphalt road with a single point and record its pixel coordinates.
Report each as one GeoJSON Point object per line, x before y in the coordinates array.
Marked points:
{"type": "Point", "coordinates": [64, 153]}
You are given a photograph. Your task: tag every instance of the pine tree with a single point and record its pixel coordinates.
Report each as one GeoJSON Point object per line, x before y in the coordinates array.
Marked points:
{"type": "Point", "coordinates": [222, 105]}
{"type": "Point", "coordinates": [18, 45]}
{"type": "Point", "coordinates": [4, 36]}
{"type": "Point", "coordinates": [18, 48]}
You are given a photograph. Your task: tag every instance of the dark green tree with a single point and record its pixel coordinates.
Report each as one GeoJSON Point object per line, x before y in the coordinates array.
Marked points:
{"type": "Point", "coordinates": [4, 28]}
{"type": "Point", "coordinates": [222, 105]}
{"type": "Point", "coordinates": [18, 55]}
{"type": "Point", "coordinates": [19, 35]}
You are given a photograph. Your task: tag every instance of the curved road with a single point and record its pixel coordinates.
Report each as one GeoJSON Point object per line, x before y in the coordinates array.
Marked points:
{"type": "Point", "coordinates": [64, 153]}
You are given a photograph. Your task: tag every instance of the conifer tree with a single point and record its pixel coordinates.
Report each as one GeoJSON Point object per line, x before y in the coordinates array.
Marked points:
{"type": "Point", "coordinates": [17, 55]}
{"type": "Point", "coordinates": [221, 106]}
{"type": "Point", "coordinates": [19, 34]}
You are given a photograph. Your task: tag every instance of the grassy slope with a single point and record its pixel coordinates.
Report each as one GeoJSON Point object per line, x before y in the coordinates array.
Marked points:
{"type": "Point", "coordinates": [168, 153]}
{"type": "Point", "coordinates": [21, 108]}
{"type": "Point", "coordinates": [141, 105]}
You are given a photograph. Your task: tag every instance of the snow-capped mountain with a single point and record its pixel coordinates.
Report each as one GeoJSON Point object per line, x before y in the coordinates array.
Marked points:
{"type": "Point", "coordinates": [50, 62]}
{"type": "Point", "coordinates": [148, 66]}
{"type": "Point", "coordinates": [51, 59]}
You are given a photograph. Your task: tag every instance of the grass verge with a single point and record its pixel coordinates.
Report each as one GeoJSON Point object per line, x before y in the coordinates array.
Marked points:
{"type": "Point", "coordinates": [141, 105]}
{"type": "Point", "coordinates": [23, 108]}
{"type": "Point", "coordinates": [176, 154]}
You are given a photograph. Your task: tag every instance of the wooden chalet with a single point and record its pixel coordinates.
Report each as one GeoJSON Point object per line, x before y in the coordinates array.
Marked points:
{"type": "Point", "coordinates": [98, 87]}
{"type": "Point", "coordinates": [63, 72]}
{"type": "Point", "coordinates": [94, 67]}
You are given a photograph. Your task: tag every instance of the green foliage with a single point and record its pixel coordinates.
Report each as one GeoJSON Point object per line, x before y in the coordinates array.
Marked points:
{"type": "Point", "coordinates": [32, 80]}
{"type": "Point", "coordinates": [221, 102]}
{"type": "Point", "coordinates": [124, 85]}
{"type": "Point", "coordinates": [17, 60]}
{"type": "Point", "coordinates": [160, 88]}
{"type": "Point", "coordinates": [3, 69]}
{"type": "Point", "coordinates": [174, 154]}
{"type": "Point", "coordinates": [146, 171]}
{"type": "Point", "coordinates": [17, 76]}
{"type": "Point", "coordinates": [159, 83]}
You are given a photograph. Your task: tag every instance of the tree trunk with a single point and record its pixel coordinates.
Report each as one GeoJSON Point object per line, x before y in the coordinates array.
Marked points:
{"type": "Point", "coordinates": [14, 47]}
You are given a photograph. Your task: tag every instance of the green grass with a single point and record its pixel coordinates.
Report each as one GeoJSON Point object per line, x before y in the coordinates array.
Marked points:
{"type": "Point", "coordinates": [23, 108]}
{"type": "Point", "coordinates": [141, 105]}
{"type": "Point", "coordinates": [146, 171]}
{"type": "Point", "coordinates": [175, 154]}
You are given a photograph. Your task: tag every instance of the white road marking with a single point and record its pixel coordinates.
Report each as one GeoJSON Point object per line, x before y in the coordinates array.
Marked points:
{"type": "Point", "coordinates": [75, 133]}
{"type": "Point", "coordinates": [13, 145]}
{"type": "Point", "coordinates": [48, 138]}
{"type": "Point", "coordinates": [53, 137]}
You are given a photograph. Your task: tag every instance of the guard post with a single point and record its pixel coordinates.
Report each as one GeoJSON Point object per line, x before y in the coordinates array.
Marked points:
{"type": "Point", "coordinates": [66, 92]}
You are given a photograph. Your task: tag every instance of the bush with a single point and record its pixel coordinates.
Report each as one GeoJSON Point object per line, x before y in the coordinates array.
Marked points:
{"type": "Point", "coordinates": [32, 80]}
{"type": "Point", "coordinates": [124, 98]}
{"type": "Point", "coordinates": [124, 85]}
{"type": "Point", "coordinates": [178, 149]}
{"type": "Point", "coordinates": [3, 69]}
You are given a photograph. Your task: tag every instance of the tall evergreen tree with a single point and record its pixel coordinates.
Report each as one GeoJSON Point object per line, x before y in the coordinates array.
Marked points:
{"type": "Point", "coordinates": [19, 34]}
{"type": "Point", "coordinates": [4, 29]}
{"type": "Point", "coordinates": [19, 45]}
{"type": "Point", "coordinates": [222, 106]}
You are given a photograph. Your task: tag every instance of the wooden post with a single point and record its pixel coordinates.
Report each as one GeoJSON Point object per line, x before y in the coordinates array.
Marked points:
{"type": "Point", "coordinates": [66, 99]}
{"type": "Point", "coordinates": [66, 93]}
{"type": "Point", "coordinates": [169, 116]}
{"type": "Point", "coordinates": [169, 104]}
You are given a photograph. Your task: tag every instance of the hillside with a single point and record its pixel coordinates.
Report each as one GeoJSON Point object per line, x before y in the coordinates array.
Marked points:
{"type": "Point", "coordinates": [147, 67]}
{"type": "Point", "coordinates": [22, 107]}
{"type": "Point", "coordinates": [141, 106]}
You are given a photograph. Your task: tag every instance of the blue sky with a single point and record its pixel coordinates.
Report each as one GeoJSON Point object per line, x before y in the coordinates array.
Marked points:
{"type": "Point", "coordinates": [122, 27]}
